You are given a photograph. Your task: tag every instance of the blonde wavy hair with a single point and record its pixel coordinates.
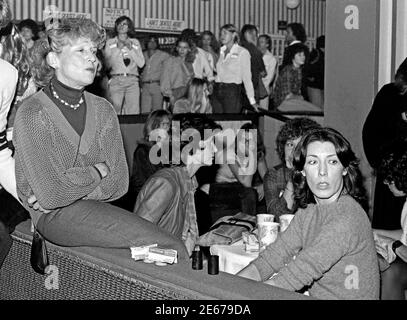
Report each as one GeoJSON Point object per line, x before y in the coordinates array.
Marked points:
{"type": "Point", "coordinates": [61, 33]}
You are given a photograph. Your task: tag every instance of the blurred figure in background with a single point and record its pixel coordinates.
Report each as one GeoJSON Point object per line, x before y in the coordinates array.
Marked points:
{"type": "Point", "coordinates": [288, 94]}
{"type": "Point", "coordinates": [178, 72]}
{"type": "Point", "coordinates": [123, 57]}
{"type": "Point", "coordinates": [315, 73]}
{"type": "Point", "coordinates": [248, 40]}
{"type": "Point", "coordinates": [270, 63]}
{"type": "Point", "coordinates": [233, 69]}
{"type": "Point", "coordinates": [278, 184]}
{"type": "Point", "coordinates": [197, 99]}
{"type": "Point", "coordinates": [385, 127]}
{"type": "Point", "coordinates": [29, 31]}
{"type": "Point", "coordinates": [151, 95]}
{"type": "Point", "coordinates": [209, 43]}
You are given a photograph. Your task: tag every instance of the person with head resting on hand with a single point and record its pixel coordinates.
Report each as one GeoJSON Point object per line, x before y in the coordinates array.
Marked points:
{"type": "Point", "coordinates": [329, 242]}
{"type": "Point", "coordinates": [393, 169]}
{"type": "Point", "coordinates": [70, 154]}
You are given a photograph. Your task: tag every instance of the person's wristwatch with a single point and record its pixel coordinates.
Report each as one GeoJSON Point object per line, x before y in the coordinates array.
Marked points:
{"type": "Point", "coordinates": [395, 245]}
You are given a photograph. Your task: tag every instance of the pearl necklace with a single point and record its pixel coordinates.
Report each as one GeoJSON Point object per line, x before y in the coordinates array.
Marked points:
{"type": "Point", "coordinates": [72, 106]}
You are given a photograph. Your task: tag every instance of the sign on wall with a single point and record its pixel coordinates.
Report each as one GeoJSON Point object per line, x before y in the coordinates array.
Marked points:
{"type": "Point", "coordinates": [47, 13]}
{"type": "Point", "coordinates": [111, 14]}
{"type": "Point", "coordinates": [164, 24]}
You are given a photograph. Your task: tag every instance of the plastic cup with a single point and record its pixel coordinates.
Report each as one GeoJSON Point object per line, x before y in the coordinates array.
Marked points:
{"type": "Point", "coordinates": [268, 232]}
{"type": "Point", "coordinates": [265, 218]}
{"type": "Point", "coordinates": [285, 221]}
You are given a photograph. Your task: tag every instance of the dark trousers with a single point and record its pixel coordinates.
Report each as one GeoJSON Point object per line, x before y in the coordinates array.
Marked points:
{"type": "Point", "coordinates": [231, 198]}
{"type": "Point", "coordinates": [387, 207]}
{"type": "Point", "coordinates": [11, 214]}
{"type": "Point", "coordinates": [227, 98]}
{"type": "Point", "coordinates": [5, 243]}
{"type": "Point", "coordinates": [96, 224]}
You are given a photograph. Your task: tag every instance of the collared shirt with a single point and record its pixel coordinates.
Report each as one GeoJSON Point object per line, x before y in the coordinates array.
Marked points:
{"type": "Point", "coordinates": [154, 65]}
{"type": "Point", "coordinates": [235, 68]}
{"type": "Point", "coordinates": [203, 65]}
{"type": "Point", "coordinates": [114, 57]}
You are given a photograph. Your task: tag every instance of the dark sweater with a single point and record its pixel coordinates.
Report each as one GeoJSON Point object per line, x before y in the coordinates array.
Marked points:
{"type": "Point", "coordinates": [76, 118]}
{"type": "Point", "coordinates": [335, 253]}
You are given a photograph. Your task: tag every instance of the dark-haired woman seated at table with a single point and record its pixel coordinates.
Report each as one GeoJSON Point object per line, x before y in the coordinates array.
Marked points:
{"type": "Point", "coordinates": [328, 247]}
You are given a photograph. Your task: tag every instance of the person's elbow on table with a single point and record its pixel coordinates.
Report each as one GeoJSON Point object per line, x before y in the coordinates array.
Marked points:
{"type": "Point", "coordinates": [250, 272]}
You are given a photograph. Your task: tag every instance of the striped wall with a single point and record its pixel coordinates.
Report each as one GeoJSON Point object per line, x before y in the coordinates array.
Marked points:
{"type": "Point", "coordinates": [198, 14]}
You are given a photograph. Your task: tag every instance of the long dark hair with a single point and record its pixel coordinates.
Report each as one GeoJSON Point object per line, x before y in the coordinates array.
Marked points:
{"type": "Point", "coordinates": [131, 33]}
{"type": "Point", "coordinates": [352, 181]}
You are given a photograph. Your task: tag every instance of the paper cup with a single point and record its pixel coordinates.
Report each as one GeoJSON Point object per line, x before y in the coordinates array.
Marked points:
{"type": "Point", "coordinates": [264, 218]}
{"type": "Point", "coordinates": [285, 220]}
{"type": "Point", "coordinates": [268, 232]}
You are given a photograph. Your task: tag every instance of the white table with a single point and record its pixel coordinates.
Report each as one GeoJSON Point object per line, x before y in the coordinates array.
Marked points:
{"type": "Point", "coordinates": [233, 258]}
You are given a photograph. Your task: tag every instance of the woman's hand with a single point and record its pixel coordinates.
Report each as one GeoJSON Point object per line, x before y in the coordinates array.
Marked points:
{"type": "Point", "coordinates": [103, 169]}
{"type": "Point", "coordinates": [289, 195]}
{"type": "Point", "coordinates": [33, 203]}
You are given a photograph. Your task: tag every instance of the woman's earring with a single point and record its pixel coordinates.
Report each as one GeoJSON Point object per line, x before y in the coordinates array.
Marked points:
{"type": "Point", "coordinates": [303, 173]}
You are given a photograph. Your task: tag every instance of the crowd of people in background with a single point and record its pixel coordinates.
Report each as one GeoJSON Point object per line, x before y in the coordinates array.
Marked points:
{"type": "Point", "coordinates": [137, 77]}
{"type": "Point", "coordinates": [69, 159]}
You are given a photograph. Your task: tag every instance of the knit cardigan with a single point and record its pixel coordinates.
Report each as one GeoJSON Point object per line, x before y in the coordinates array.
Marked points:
{"type": "Point", "coordinates": [57, 165]}
{"type": "Point", "coordinates": [334, 252]}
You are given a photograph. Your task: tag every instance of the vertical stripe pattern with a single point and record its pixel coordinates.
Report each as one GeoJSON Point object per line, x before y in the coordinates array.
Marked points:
{"type": "Point", "coordinates": [198, 14]}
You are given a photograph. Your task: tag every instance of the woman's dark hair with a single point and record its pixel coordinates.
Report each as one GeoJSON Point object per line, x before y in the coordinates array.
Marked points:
{"type": "Point", "coordinates": [247, 28]}
{"type": "Point", "coordinates": [268, 40]}
{"type": "Point", "coordinates": [30, 24]}
{"type": "Point", "coordinates": [352, 181]}
{"type": "Point", "coordinates": [261, 149]}
{"type": "Point", "coordinates": [214, 42]}
{"type": "Point", "coordinates": [152, 38]}
{"type": "Point", "coordinates": [298, 31]}
{"type": "Point", "coordinates": [291, 130]}
{"type": "Point", "coordinates": [393, 168]}
{"type": "Point", "coordinates": [185, 40]}
{"type": "Point", "coordinates": [131, 33]}
{"type": "Point", "coordinates": [293, 50]}
{"type": "Point", "coordinates": [196, 121]}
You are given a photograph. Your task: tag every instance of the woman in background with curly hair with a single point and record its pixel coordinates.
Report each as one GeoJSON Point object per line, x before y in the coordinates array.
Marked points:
{"type": "Point", "coordinates": [330, 237]}
{"type": "Point", "coordinates": [394, 270]}
{"type": "Point", "coordinates": [278, 185]}
{"type": "Point", "coordinates": [70, 154]}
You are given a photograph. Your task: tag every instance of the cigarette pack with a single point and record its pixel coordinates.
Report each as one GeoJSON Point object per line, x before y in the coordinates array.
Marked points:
{"type": "Point", "coordinates": [140, 253]}
{"type": "Point", "coordinates": [162, 255]}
